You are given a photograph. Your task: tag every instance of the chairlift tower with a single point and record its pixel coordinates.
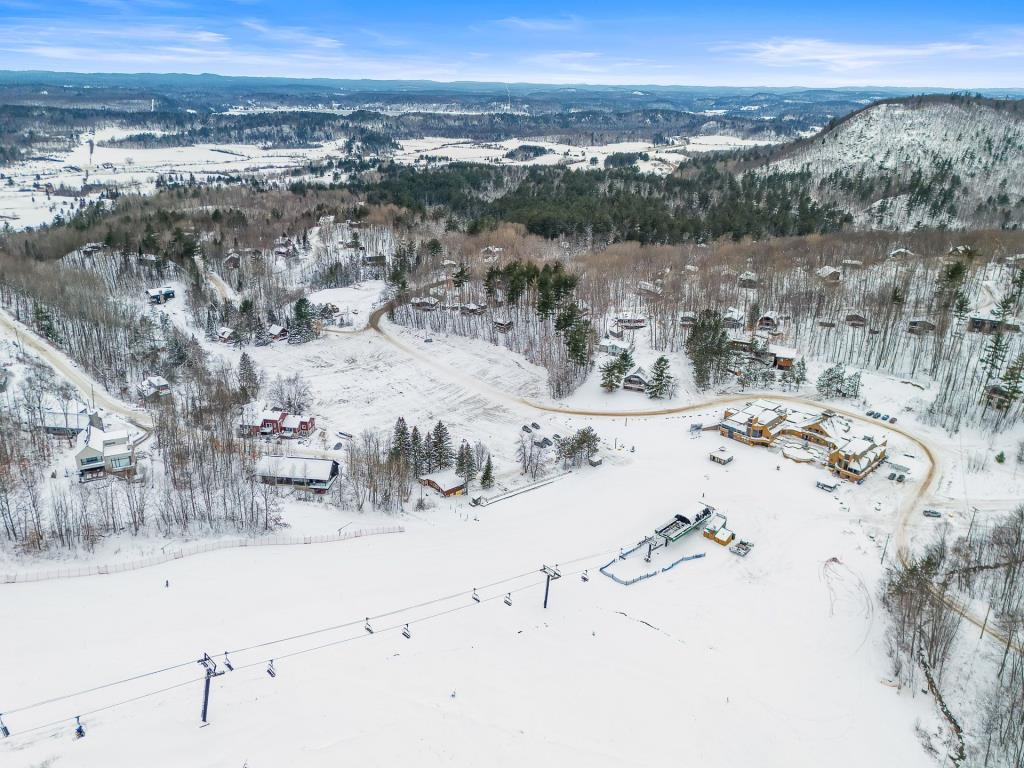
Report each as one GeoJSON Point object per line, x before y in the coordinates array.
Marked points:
{"type": "Point", "coordinates": [211, 672]}
{"type": "Point", "coordinates": [551, 573]}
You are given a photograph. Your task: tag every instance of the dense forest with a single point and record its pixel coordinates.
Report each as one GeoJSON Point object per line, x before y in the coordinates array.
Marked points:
{"type": "Point", "coordinates": [612, 205]}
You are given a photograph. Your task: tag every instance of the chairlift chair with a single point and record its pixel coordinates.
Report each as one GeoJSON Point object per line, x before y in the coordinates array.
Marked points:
{"type": "Point", "coordinates": [406, 633]}
{"type": "Point", "coordinates": [367, 626]}
{"type": "Point", "coordinates": [79, 728]}
{"type": "Point", "coordinates": [508, 599]}
{"type": "Point", "coordinates": [3, 729]}
{"type": "Point", "coordinates": [584, 577]}
{"type": "Point", "coordinates": [227, 662]}
{"type": "Point", "coordinates": [270, 669]}
{"type": "Point", "coordinates": [476, 597]}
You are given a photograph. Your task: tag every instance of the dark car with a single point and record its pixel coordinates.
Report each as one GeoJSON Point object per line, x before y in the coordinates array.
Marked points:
{"type": "Point", "coordinates": [892, 420]}
{"type": "Point", "coordinates": [901, 478]}
{"type": "Point", "coordinates": [892, 475]}
{"type": "Point", "coordinates": [932, 513]}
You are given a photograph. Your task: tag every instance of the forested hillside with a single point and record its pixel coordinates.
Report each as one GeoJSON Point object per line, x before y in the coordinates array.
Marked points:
{"type": "Point", "coordinates": [955, 162]}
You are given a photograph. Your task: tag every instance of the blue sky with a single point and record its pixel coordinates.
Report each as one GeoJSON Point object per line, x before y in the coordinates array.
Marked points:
{"type": "Point", "coordinates": [737, 42]}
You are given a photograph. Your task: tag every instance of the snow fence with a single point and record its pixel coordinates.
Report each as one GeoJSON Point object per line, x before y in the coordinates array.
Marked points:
{"type": "Point", "coordinates": [198, 548]}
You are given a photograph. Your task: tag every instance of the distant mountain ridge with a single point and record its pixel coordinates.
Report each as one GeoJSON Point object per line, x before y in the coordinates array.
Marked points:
{"type": "Point", "coordinates": [926, 161]}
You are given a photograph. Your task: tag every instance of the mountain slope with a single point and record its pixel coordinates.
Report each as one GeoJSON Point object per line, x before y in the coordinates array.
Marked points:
{"type": "Point", "coordinates": [928, 161]}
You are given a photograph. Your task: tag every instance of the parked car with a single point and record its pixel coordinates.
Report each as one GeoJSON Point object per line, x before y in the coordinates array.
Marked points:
{"type": "Point", "coordinates": [885, 417]}
{"type": "Point", "coordinates": [901, 478]}
{"type": "Point", "coordinates": [892, 420]}
{"type": "Point", "coordinates": [932, 513]}
{"type": "Point", "coordinates": [344, 435]}
{"type": "Point", "coordinates": [870, 413]}
{"type": "Point", "coordinates": [892, 475]}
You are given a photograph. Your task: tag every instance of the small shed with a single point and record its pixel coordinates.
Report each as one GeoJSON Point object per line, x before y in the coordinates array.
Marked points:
{"type": "Point", "coordinates": [747, 280]}
{"type": "Point", "coordinates": [856, 319]}
{"type": "Point", "coordinates": [225, 335]}
{"type": "Point", "coordinates": [721, 456]}
{"type": "Point", "coordinates": [502, 324]}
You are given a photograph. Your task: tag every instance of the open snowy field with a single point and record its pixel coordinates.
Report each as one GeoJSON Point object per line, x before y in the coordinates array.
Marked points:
{"type": "Point", "coordinates": [780, 654]}
{"type": "Point", "coordinates": [782, 650]}
{"type": "Point", "coordinates": [132, 170]}
{"type": "Point", "coordinates": [663, 159]}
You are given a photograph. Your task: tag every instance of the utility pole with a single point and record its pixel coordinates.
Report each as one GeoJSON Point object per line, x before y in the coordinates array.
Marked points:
{"type": "Point", "coordinates": [211, 672]}
{"type": "Point", "coordinates": [551, 573]}
{"type": "Point", "coordinates": [885, 548]}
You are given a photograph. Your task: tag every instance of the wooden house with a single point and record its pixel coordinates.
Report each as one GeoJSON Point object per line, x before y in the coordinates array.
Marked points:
{"type": "Point", "coordinates": [225, 335]}
{"type": "Point", "coordinates": [920, 326]}
{"type": "Point", "coordinates": [769, 321]}
{"type": "Point", "coordinates": [630, 321]}
{"type": "Point", "coordinates": [231, 261]}
{"type": "Point", "coordinates": [425, 303]}
{"type": "Point", "coordinates": [160, 295]}
{"type": "Point", "coordinates": [612, 346]}
{"type": "Point", "coordinates": [830, 275]}
{"type": "Point", "coordinates": [502, 324]}
{"type": "Point", "coordinates": [297, 425]}
{"type": "Point", "coordinates": [733, 318]}
{"type": "Point", "coordinates": [446, 482]}
{"type": "Point", "coordinates": [256, 421]}
{"type": "Point", "coordinates": [998, 397]}
{"type": "Point", "coordinates": [301, 472]}
{"type": "Point", "coordinates": [277, 332]}
{"type": "Point", "coordinates": [747, 280]}
{"type": "Point", "coordinates": [153, 388]}
{"type": "Point", "coordinates": [687, 318]}
{"type": "Point", "coordinates": [636, 380]}
{"type": "Point", "coordinates": [989, 323]}
{"type": "Point", "coordinates": [782, 357]}
{"type": "Point", "coordinates": [104, 453]}
{"type": "Point", "coordinates": [855, 319]}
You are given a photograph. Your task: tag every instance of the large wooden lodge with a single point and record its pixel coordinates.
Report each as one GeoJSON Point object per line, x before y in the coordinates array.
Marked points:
{"type": "Point", "coordinates": [763, 422]}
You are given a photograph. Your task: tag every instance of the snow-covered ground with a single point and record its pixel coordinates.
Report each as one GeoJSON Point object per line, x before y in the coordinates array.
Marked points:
{"type": "Point", "coordinates": [132, 170]}
{"type": "Point", "coordinates": [777, 658]}
{"type": "Point", "coordinates": [782, 650]}
{"type": "Point", "coordinates": [663, 158]}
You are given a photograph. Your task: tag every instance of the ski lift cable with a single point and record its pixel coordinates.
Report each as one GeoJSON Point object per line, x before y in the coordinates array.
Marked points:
{"type": "Point", "coordinates": [84, 691]}
{"type": "Point", "coordinates": [105, 707]}
{"type": "Point", "coordinates": [299, 636]}
{"type": "Point", "coordinates": [390, 628]}
{"type": "Point", "coordinates": [300, 652]}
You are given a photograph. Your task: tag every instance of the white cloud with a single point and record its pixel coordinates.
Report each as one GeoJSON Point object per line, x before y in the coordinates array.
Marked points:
{"type": "Point", "coordinates": [555, 24]}
{"type": "Point", "coordinates": [844, 57]}
{"type": "Point", "coordinates": [291, 35]}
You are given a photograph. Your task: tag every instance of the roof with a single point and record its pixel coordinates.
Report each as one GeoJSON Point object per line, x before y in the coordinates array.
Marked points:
{"type": "Point", "coordinates": [295, 467]}
{"type": "Point", "coordinates": [61, 420]}
{"type": "Point", "coordinates": [638, 372]}
{"type": "Point", "coordinates": [779, 351]}
{"type": "Point", "coordinates": [445, 479]}
{"type": "Point", "coordinates": [275, 329]}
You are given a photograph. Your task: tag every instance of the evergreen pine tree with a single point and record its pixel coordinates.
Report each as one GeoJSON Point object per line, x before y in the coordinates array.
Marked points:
{"type": "Point", "coordinates": [799, 373]}
{"type": "Point", "coordinates": [662, 382]}
{"type": "Point", "coordinates": [248, 377]}
{"type": "Point", "coordinates": [401, 443]}
{"type": "Point", "coordinates": [1013, 379]}
{"type": "Point", "coordinates": [416, 452]}
{"type": "Point", "coordinates": [442, 446]}
{"type": "Point", "coordinates": [429, 453]}
{"type": "Point", "coordinates": [625, 361]}
{"type": "Point", "coordinates": [994, 355]}
{"type": "Point", "coordinates": [487, 478]}
{"type": "Point", "coordinates": [260, 336]}
{"type": "Point", "coordinates": [611, 376]}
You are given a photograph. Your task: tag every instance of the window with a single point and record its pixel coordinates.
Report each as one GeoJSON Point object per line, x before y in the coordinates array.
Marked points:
{"type": "Point", "coordinates": [121, 462]}
{"type": "Point", "coordinates": [91, 460]}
